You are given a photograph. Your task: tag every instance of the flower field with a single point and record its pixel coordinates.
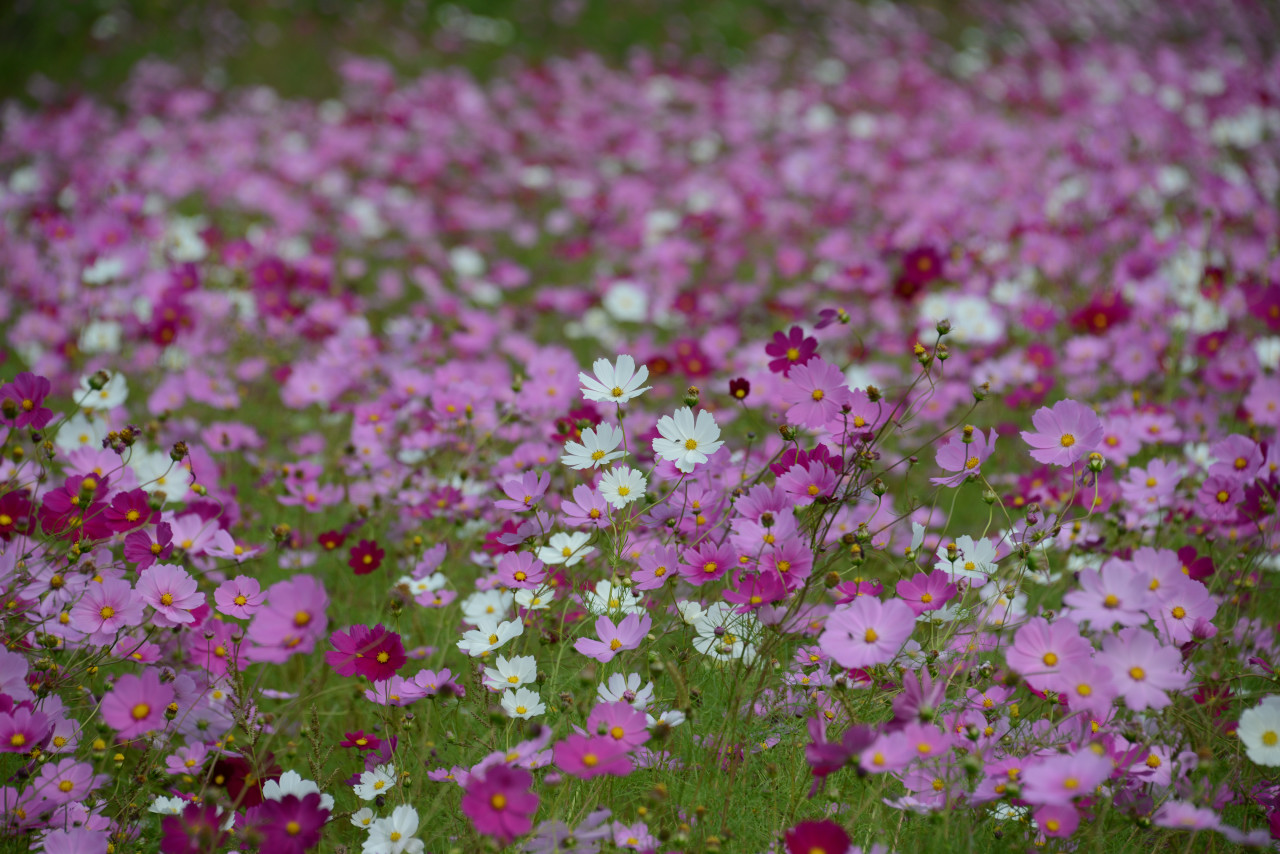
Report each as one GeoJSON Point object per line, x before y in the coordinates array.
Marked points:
{"type": "Point", "coordinates": [867, 446]}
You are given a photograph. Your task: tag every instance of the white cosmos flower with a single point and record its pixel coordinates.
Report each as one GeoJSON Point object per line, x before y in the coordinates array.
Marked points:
{"type": "Point", "coordinates": [522, 703]}
{"type": "Point", "coordinates": [512, 672]}
{"type": "Point", "coordinates": [380, 780]}
{"type": "Point", "coordinates": [112, 394]}
{"type": "Point", "coordinates": [627, 302]}
{"type": "Point", "coordinates": [394, 834]}
{"type": "Point", "coordinates": [567, 549]}
{"type": "Point", "coordinates": [535, 600]}
{"type": "Point", "coordinates": [610, 598]}
{"type": "Point", "coordinates": [362, 818]}
{"type": "Point", "coordinates": [157, 472]}
{"type": "Point", "coordinates": [626, 689]}
{"type": "Point", "coordinates": [292, 783]}
{"type": "Point", "coordinates": [486, 603]}
{"type": "Point", "coordinates": [1259, 732]}
{"type": "Point", "coordinates": [81, 431]}
{"type": "Point", "coordinates": [622, 485]}
{"type": "Point", "coordinates": [488, 635]}
{"type": "Point", "coordinates": [975, 560]}
{"type": "Point", "coordinates": [687, 442]}
{"type": "Point", "coordinates": [597, 448]}
{"type": "Point", "coordinates": [614, 383]}
{"type": "Point", "coordinates": [101, 336]}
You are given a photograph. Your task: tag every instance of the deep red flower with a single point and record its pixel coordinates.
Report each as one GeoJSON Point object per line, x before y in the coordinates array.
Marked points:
{"type": "Point", "coordinates": [196, 830]}
{"type": "Point", "coordinates": [817, 837]}
{"type": "Point", "coordinates": [375, 654]}
{"type": "Point", "coordinates": [739, 388]}
{"type": "Point", "coordinates": [366, 557]}
{"type": "Point", "coordinates": [331, 540]}
{"type": "Point", "coordinates": [920, 266]}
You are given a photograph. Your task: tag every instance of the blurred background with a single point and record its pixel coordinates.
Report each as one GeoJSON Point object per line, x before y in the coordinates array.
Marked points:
{"type": "Point", "coordinates": [51, 48]}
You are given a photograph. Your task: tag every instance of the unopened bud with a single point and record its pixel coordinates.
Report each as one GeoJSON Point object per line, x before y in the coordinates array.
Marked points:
{"type": "Point", "coordinates": [966, 435]}
{"type": "Point", "coordinates": [787, 432]}
{"type": "Point", "coordinates": [179, 452]}
{"type": "Point", "coordinates": [1096, 462]}
{"type": "Point", "coordinates": [878, 487]}
{"type": "Point", "coordinates": [944, 326]}
{"type": "Point", "coordinates": [691, 396]}
{"type": "Point", "coordinates": [980, 392]}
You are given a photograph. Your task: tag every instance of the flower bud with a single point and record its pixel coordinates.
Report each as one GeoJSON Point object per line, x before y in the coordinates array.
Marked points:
{"type": "Point", "coordinates": [787, 432]}
{"type": "Point", "coordinates": [944, 326]}
{"type": "Point", "coordinates": [980, 392]}
{"type": "Point", "coordinates": [178, 452]}
{"type": "Point", "coordinates": [99, 380]}
{"type": "Point", "coordinates": [966, 435]}
{"type": "Point", "coordinates": [944, 352]}
{"type": "Point", "coordinates": [989, 496]}
{"type": "Point", "coordinates": [691, 396]}
{"type": "Point", "coordinates": [878, 487]}
{"type": "Point", "coordinates": [1096, 462]}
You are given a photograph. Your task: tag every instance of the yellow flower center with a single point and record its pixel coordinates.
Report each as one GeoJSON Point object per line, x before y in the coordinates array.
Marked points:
{"type": "Point", "coordinates": [615, 644]}
{"type": "Point", "coordinates": [107, 612]}
{"type": "Point", "coordinates": [1178, 612]}
{"type": "Point", "coordinates": [66, 786]}
{"type": "Point", "coordinates": [1111, 601]}
{"type": "Point", "coordinates": [871, 636]}
{"type": "Point", "coordinates": [691, 444]}
{"type": "Point", "coordinates": [1067, 440]}
{"type": "Point", "coordinates": [590, 760]}
{"type": "Point", "coordinates": [498, 801]}
{"type": "Point", "coordinates": [1071, 783]}
{"type": "Point", "coordinates": [971, 463]}
{"type": "Point", "coordinates": [301, 618]}
{"type": "Point", "coordinates": [166, 599]}
{"type": "Point", "coordinates": [293, 828]}
{"type": "Point", "coordinates": [1269, 738]}
{"type": "Point", "coordinates": [793, 353]}
{"type": "Point", "coordinates": [597, 455]}
{"type": "Point", "coordinates": [140, 711]}
{"type": "Point", "coordinates": [616, 392]}
{"type": "Point", "coordinates": [1050, 659]}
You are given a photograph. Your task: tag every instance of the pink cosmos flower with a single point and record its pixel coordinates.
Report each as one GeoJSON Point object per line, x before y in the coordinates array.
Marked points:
{"type": "Point", "coordinates": [627, 726]}
{"type": "Point", "coordinates": [1144, 669]}
{"type": "Point", "coordinates": [1183, 603]}
{"type": "Point", "coordinates": [1088, 686]}
{"type": "Point", "coordinates": [625, 635]}
{"type": "Point", "coordinates": [1059, 780]}
{"type": "Point", "coordinates": [172, 592]}
{"type": "Point", "coordinates": [1057, 820]}
{"type": "Point", "coordinates": [927, 592]}
{"type": "Point", "coordinates": [964, 459]}
{"type": "Point", "coordinates": [1041, 649]}
{"type": "Point", "coordinates": [1064, 434]}
{"type": "Point", "coordinates": [1115, 595]}
{"type": "Point", "coordinates": [105, 609]}
{"type": "Point", "coordinates": [240, 597]}
{"type": "Point", "coordinates": [68, 780]}
{"type": "Point", "coordinates": [867, 632]}
{"type": "Point", "coordinates": [291, 622]}
{"type": "Point", "coordinates": [136, 704]}
{"type": "Point", "coordinates": [499, 802]}
{"type": "Point", "coordinates": [816, 392]}
{"type": "Point", "coordinates": [23, 729]}
{"type": "Point", "coordinates": [755, 591]}
{"type": "Point", "coordinates": [1218, 498]}
{"type": "Point", "coordinates": [524, 492]}
{"type": "Point", "coordinates": [790, 559]}
{"type": "Point", "coordinates": [706, 563]}
{"type": "Point", "coordinates": [129, 510]}
{"type": "Point", "coordinates": [587, 508]}
{"type": "Point", "coordinates": [807, 483]}
{"type": "Point", "coordinates": [375, 654]}
{"type": "Point", "coordinates": [521, 570]}
{"type": "Point", "coordinates": [656, 566]}
{"type": "Point", "coordinates": [591, 756]}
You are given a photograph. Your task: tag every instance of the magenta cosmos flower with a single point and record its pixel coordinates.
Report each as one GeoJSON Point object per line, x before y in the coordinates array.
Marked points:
{"type": "Point", "coordinates": [964, 460]}
{"type": "Point", "coordinates": [927, 592]}
{"type": "Point", "coordinates": [591, 756]}
{"type": "Point", "coordinates": [136, 704]}
{"type": "Point", "coordinates": [1064, 433]}
{"type": "Point", "coordinates": [376, 654]}
{"type": "Point", "coordinates": [23, 401]}
{"type": "Point", "coordinates": [867, 631]}
{"type": "Point", "coordinates": [816, 392]}
{"type": "Point", "coordinates": [790, 350]}
{"type": "Point", "coordinates": [614, 638]}
{"type": "Point", "coordinates": [499, 803]}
